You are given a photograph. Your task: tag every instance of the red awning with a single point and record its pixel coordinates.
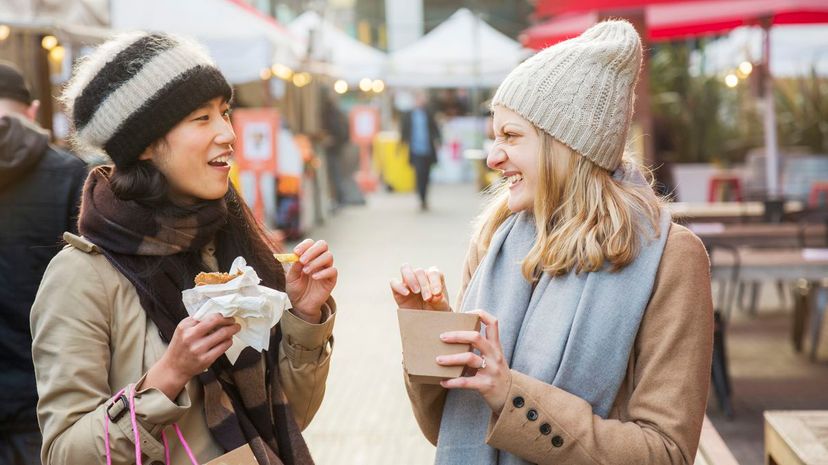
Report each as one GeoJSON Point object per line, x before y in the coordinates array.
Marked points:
{"type": "Point", "coordinates": [545, 8]}
{"type": "Point", "coordinates": [687, 19]}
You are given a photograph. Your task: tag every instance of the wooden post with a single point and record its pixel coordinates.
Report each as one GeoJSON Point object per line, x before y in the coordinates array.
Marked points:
{"type": "Point", "coordinates": [43, 83]}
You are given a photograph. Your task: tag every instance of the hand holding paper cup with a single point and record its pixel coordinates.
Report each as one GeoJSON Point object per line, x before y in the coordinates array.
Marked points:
{"type": "Point", "coordinates": [424, 314]}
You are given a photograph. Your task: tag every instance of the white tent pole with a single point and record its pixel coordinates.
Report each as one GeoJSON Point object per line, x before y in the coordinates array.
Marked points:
{"type": "Point", "coordinates": [771, 148]}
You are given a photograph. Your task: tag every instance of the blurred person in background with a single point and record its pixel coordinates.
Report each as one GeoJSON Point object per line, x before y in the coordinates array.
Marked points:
{"type": "Point", "coordinates": [420, 132]}
{"type": "Point", "coordinates": [335, 124]}
{"type": "Point", "coordinates": [40, 189]}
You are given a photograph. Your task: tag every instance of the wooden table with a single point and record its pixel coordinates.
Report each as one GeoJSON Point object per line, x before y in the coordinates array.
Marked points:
{"type": "Point", "coordinates": [782, 264]}
{"type": "Point", "coordinates": [725, 211]}
{"type": "Point", "coordinates": [786, 264]}
{"type": "Point", "coordinates": [766, 264]}
{"type": "Point", "coordinates": [796, 437]}
{"type": "Point", "coordinates": [761, 234]}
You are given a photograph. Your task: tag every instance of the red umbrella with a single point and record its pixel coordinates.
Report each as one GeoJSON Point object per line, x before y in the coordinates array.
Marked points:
{"type": "Point", "coordinates": [687, 19]}
{"type": "Point", "coordinates": [666, 21]}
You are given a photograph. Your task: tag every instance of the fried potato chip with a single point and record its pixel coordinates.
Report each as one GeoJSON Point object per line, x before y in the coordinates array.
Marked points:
{"type": "Point", "coordinates": [286, 257]}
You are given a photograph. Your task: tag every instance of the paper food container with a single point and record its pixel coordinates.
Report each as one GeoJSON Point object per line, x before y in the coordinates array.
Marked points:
{"type": "Point", "coordinates": [420, 333]}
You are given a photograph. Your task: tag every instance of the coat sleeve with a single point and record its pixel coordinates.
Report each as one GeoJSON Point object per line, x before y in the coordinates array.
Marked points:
{"type": "Point", "coordinates": [304, 361]}
{"type": "Point", "coordinates": [71, 322]}
{"type": "Point", "coordinates": [662, 421]}
{"type": "Point", "coordinates": [427, 400]}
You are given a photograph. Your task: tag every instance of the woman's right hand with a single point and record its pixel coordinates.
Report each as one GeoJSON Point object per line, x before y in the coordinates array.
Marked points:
{"type": "Point", "coordinates": [420, 289]}
{"type": "Point", "coordinates": [195, 345]}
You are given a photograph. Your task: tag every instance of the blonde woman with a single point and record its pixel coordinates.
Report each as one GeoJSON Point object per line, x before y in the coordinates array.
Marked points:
{"type": "Point", "coordinates": [597, 309]}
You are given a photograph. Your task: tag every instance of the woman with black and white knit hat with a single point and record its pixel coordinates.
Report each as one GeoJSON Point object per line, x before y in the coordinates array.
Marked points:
{"type": "Point", "coordinates": [109, 317]}
{"type": "Point", "coordinates": [597, 309]}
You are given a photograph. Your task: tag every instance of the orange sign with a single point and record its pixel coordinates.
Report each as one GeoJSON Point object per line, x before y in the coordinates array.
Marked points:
{"type": "Point", "coordinates": [365, 123]}
{"type": "Point", "coordinates": [257, 136]}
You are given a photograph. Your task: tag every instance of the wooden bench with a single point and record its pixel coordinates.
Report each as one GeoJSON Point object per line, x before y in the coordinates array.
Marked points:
{"type": "Point", "coordinates": [712, 449]}
{"type": "Point", "coordinates": [796, 437]}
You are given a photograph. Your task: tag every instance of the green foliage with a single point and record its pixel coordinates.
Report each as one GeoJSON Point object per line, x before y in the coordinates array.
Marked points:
{"type": "Point", "coordinates": [705, 121]}
{"type": "Point", "coordinates": [802, 112]}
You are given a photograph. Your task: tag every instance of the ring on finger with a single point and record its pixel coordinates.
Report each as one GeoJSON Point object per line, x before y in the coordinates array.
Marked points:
{"type": "Point", "coordinates": [482, 363]}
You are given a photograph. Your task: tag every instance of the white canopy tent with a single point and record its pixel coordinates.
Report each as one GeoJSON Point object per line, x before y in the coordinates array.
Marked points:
{"type": "Point", "coordinates": [463, 51]}
{"type": "Point", "coordinates": [77, 22]}
{"type": "Point", "coordinates": [348, 58]}
{"type": "Point", "coordinates": [241, 40]}
{"type": "Point", "coordinates": [78, 13]}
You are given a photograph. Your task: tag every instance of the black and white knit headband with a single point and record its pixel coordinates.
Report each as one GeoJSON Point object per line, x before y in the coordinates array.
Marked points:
{"type": "Point", "coordinates": [133, 89]}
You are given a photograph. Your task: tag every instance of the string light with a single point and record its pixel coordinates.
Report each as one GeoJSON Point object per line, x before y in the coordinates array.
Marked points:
{"type": "Point", "coordinates": [301, 79]}
{"type": "Point", "coordinates": [49, 42]}
{"type": "Point", "coordinates": [56, 54]}
{"type": "Point", "coordinates": [282, 72]}
{"type": "Point", "coordinates": [378, 86]}
{"type": "Point", "coordinates": [746, 67]}
{"type": "Point", "coordinates": [340, 87]}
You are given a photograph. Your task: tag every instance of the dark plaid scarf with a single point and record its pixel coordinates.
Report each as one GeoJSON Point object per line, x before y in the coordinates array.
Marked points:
{"type": "Point", "coordinates": [159, 252]}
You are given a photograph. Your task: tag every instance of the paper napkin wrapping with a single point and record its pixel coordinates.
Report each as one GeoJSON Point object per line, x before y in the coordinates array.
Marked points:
{"type": "Point", "coordinates": [256, 308]}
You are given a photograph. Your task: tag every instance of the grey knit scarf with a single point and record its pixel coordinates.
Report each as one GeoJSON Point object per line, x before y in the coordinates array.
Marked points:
{"type": "Point", "coordinates": [574, 331]}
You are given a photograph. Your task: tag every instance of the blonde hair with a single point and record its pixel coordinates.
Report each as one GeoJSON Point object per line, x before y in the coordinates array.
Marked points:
{"type": "Point", "coordinates": [585, 219]}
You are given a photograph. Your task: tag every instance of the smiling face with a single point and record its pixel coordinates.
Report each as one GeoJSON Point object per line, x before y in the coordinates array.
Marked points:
{"type": "Point", "coordinates": [515, 154]}
{"type": "Point", "coordinates": [194, 156]}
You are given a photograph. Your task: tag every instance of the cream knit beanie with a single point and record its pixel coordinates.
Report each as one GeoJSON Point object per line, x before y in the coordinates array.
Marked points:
{"type": "Point", "coordinates": [581, 91]}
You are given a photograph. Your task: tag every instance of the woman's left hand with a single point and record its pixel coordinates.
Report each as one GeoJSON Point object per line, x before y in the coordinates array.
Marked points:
{"type": "Point", "coordinates": [311, 279]}
{"type": "Point", "coordinates": [490, 375]}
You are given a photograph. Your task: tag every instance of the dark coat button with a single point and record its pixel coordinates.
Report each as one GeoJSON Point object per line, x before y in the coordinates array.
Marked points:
{"type": "Point", "coordinates": [557, 441]}
{"type": "Point", "coordinates": [532, 414]}
{"type": "Point", "coordinates": [518, 402]}
{"type": "Point", "coordinates": [545, 429]}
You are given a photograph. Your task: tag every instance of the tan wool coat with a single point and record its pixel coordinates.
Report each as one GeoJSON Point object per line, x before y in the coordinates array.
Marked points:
{"type": "Point", "coordinates": [91, 338]}
{"type": "Point", "coordinates": [657, 415]}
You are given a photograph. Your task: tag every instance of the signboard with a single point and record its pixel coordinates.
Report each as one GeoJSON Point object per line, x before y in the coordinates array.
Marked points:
{"type": "Point", "coordinates": [257, 135]}
{"type": "Point", "coordinates": [365, 124]}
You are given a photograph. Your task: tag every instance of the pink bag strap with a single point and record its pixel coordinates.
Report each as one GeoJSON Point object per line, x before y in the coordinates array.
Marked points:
{"type": "Point", "coordinates": [131, 405]}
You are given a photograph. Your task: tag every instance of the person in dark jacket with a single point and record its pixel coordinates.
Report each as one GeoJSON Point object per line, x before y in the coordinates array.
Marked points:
{"type": "Point", "coordinates": [40, 189]}
{"type": "Point", "coordinates": [335, 125]}
{"type": "Point", "coordinates": [420, 133]}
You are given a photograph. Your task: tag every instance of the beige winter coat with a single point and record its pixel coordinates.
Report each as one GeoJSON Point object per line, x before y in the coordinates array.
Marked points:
{"type": "Point", "coordinates": [91, 338]}
{"type": "Point", "coordinates": [657, 416]}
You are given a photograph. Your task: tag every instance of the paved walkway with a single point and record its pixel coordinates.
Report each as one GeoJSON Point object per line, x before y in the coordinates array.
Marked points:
{"type": "Point", "coordinates": [365, 418]}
